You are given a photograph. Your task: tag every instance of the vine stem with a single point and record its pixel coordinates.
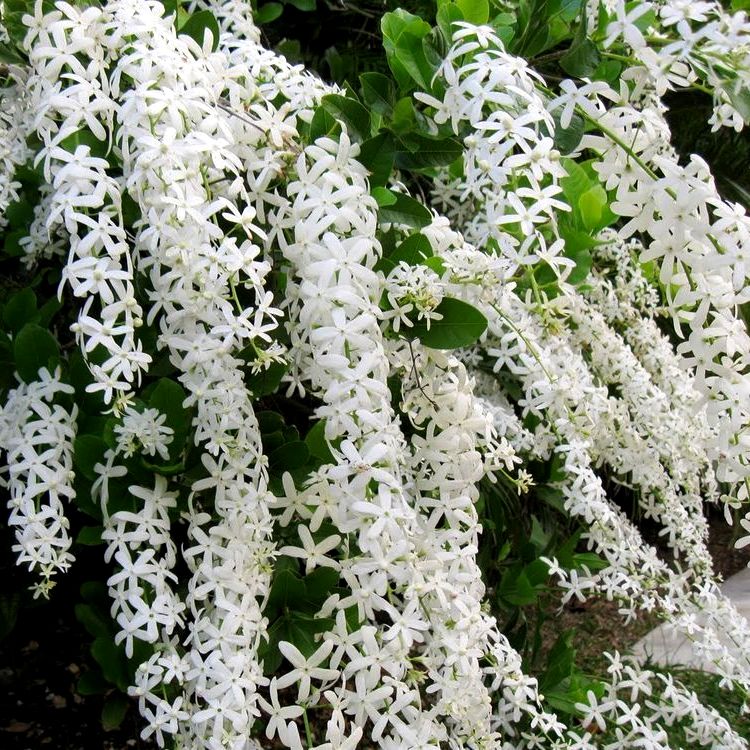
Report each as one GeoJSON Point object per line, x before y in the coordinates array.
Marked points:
{"type": "Point", "coordinates": [308, 730]}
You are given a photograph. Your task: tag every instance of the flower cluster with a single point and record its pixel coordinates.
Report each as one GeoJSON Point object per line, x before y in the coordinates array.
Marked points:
{"type": "Point", "coordinates": [511, 168]}
{"type": "Point", "coordinates": [13, 149]}
{"type": "Point", "coordinates": [687, 44]}
{"type": "Point", "coordinates": [37, 436]}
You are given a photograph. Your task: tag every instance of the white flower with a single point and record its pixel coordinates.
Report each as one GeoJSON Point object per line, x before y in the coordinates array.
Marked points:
{"type": "Point", "coordinates": [306, 669]}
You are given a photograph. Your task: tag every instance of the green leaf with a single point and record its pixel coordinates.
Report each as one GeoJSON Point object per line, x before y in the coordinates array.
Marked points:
{"type": "Point", "coordinates": [427, 152]}
{"type": "Point", "coordinates": [88, 450]}
{"type": "Point", "coordinates": [578, 247]}
{"type": "Point", "coordinates": [590, 559]}
{"type": "Point", "coordinates": [537, 572]}
{"type": "Point", "coordinates": [516, 589]}
{"type": "Point", "coordinates": [302, 629]}
{"type": "Point", "coordinates": [740, 99]}
{"type": "Point", "coordinates": [404, 116]}
{"type": "Point", "coordinates": [475, 11]}
{"type": "Point", "coordinates": [20, 309]}
{"type": "Point", "coordinates": [538, 41]}
{"type": "Point", "coordinates": [461, 325]}
{"type": "Point", "coordinates": [11, 246]}
{"type": "Point", "coordinates": [560, 662]}
{"type": "Point", "coordinates": [378, 93]}
{"type": "Point", "coordinates": [582, 59]}
{"type": "Point", "coordinates": [413, 250]}
{"type": "Point", "coordinates": [323, 125]}
{"type": "Point", "coordinates": [198, 24]}
{"type": "Point", "coordinates": [168, 397]}
{"type": "Point", "coordinates": [404, 41]}
{"type": "Point", "coordinates": [377, 155]}
{"type": "Point", "coordinates": [400, 22]}
{"type": "Point", "coordinates": [287, 589]}
{"type": "Point", "coordinates": [567, 10]}
{"type": "Point", "coordinates": [84, 137]}
{"type": "Point", "coordinates": [436, 263]}
{"type": "Point", "coordinates": [95, 591]}
{"type": "Point", "coordinates": [591, 206]}
{"type": "Point", "coordinates": [319, 584]}
{"type": "Point", "coordinates": [266, 381]}
{"type": "Point", "coordinates": [567, 139]}
{"type": "Point", "coordinates": [112, 660]}
{"type": "Point", "coordinates": [574, 185]}
{"type": "Point", "coordinates": [540, 538]}
{"type": "Point", "coordinates": [114, 710]}
{"type": "Point", "coordinates": [291, 49]}
{"type": "Point", "coordinates": [48, 311]}
{"type": "Point", "coordinates": [383, 197]}
{"type": "Point", "coordinates": [448, 14]}
{"type": "Point", "coordinates": [296, 628]}
{"type": "Point", "coordinates": [290, 456]}
{"type": "Point", "coordinates": [10, 55]}
{"type": "Point", "coordinates": [95, 622]}
{"type": "Point", "coordinates": [19, 214]}
{"type": "Point", "coordinates": [351, 113]}
{"type": "Point", "coordinates": [90, 536]}
{"type": "Point", "coordinates": [33, 348]}
{"type": "Point", "coordinates": [269, 421]}
{"type": "Point", "coordinates": [92, 682]}
{"type": "Point", "coordinates": [609, 71]}
{"type": "Point", "coordinates": [170, 8]}
{"type": "Point", "coordinates": [305, 5]}
{"type": "Point", "coordinates": [405, 210]}
{"type": "Point", "coordinates": [268, 652]}
{"type": "Point", "coordinates": [317, 444]}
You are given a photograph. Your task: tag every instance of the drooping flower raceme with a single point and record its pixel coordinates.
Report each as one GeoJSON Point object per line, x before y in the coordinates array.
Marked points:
{"type": "Point", "coordinates": [37, 434]}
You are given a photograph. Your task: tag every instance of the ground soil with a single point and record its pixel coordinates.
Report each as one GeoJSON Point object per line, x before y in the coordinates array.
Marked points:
{"type": "Point", "coordinates": [40, 706]}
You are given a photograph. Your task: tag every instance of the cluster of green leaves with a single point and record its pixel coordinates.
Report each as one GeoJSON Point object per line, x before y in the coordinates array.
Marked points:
{"type": "Point", "coordinates": [517, 533]}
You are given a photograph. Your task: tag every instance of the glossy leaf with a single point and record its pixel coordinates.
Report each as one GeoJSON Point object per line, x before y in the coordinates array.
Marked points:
{"type": "Point", "coordinates": [34, 347]}
{"type": "Point", "coordinates": [378, 92]}
{"type": "Point", "coordinates": [405, 210]}
{"type": "Point", "coordinates": [199, 24]}
{"type": "Point", "coordinates": [403, 38]}
{"type": "Point", "coordinates": [351, 113]}
{"type": "Point", "coordinates": [20, 309]}
{"type": "Point", "coordinates": [317, 444]}
{"type": "Point", "coordinates": [323, 125]}
{"type": "Point", "coordinates": [413, 250]}
{"type": "Point", "coordinates": [475, 11]}
{"type": "Point", "coordinates": [582, 59]}
{"type": "Point", "coordinates": [377, 154]}
{"type": "Point", "coordinates": [427, 152]}
{"type": "Point", "coordinates": [461, 325]}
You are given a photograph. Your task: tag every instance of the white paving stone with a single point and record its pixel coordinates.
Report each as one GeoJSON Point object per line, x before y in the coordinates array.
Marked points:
{"type": "Point", "coordinates": [665, 647]}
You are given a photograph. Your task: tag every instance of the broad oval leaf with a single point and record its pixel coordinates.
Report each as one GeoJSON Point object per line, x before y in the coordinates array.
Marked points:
{"type": "Point", "coordinates": [461, 325]}
{"type": "Point", "coordinates": [351, 113]}
{"type": "Point", "coordinates": [405, 210]}
{"type": "Point", "coordinates": [33, 348]}
{"type": "Point", "coordinates": [197, 25]}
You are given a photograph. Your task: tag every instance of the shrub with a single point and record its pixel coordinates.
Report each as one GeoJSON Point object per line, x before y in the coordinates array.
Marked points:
{"type": "Point", "coordinates": [284, 349]}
